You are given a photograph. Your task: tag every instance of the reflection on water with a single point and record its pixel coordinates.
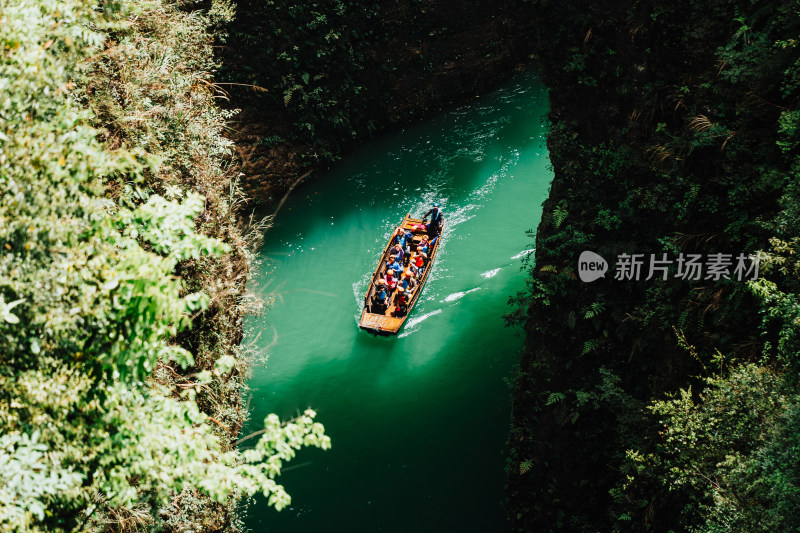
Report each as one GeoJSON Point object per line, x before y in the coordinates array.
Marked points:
{"type": "Point", "coordinates": [418, 421]}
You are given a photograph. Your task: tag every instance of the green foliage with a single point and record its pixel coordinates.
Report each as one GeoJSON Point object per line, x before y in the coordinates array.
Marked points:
{"type": "Point", "coordinates": [590, 346]}
{"type": "Point", "coordinates": [91, 426]}
{"type": "Point", "coordinates": [732, 454]}
{"type": "Point", "coordinates": [291, 48]}
{"type": "Point", "coordinates": [279, 443]}
{"type": "Point", "coordinates": [789, 131]}
{"type": "Point", "coordinates": [555, 397]}
{"type": "Point", "coordinates": [593, 310]}
{"type": "Point", "coordinates": [608, 220]}
{"type": "Point", "coordinates": [560, 214]}
{"type": "Point", "coordinates": [30, 479]}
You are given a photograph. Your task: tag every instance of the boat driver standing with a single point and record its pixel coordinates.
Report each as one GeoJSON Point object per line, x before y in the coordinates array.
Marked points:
{"type": "Point", "coordinates": [435, 226]}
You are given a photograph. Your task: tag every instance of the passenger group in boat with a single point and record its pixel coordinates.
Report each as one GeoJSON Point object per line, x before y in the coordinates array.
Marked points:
{"type": "Point", "coordinates": [406, 264]}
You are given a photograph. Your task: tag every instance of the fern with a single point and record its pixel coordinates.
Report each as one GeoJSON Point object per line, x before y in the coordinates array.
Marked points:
{"type": "Point", "coordinates": [287, 95]}
{"type": "Point", "coordinates": [590, 346]}
{"type": "Point", "coordinates": [694, 189]}
{"type": "Point", "coordinates": [683, 318]}
{"type": "Point", "coordinates": [593, 310]}
{"type": "Point", "coordinates": [556, 397]}
{"type": "Point", "coordinates": [525, 466]}
{"type": "Point", "coordinates": [559, 215]}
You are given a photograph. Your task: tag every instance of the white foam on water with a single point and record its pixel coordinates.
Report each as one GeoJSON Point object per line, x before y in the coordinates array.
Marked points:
{"type": "Point", "coordinates": [458, 295]}
{"type": "Point", "coordinates": [359, 290]}
{"type": "Point", "coordinates": [414, 321]}
{"type": "Point", "coordinates": [508, 162]}
{"type": "Point", "coordinates": [490, 273]}
{"type": "Point", "coordinates": [523, 253]}
{"type": "Point", "coordinates": [408, 330]}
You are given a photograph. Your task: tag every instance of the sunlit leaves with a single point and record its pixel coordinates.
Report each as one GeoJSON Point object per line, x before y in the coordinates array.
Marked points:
{"type": "Point", "coordinates": [5, 310]}
{"type": "Point", "coordinates": [29, 479]}
{"type": "Point", "coordinates": [90, 303]}
{"type": "Point", "coordinates": [280, 443]}
{"type": "Point", "coordinates": [728, 451]}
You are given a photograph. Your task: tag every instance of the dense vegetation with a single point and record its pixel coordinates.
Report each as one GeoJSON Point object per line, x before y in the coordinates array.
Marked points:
{"type": "Point", "coordinates": [314, 78]}
{"type": "Point", "coordinates": [118, 231]}
{"type": "Point", "coordinates": [664, 405]}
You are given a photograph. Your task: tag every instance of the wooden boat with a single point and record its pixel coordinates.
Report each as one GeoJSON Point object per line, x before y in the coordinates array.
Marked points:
{"type": "Point", "coordinates": [387, 323]}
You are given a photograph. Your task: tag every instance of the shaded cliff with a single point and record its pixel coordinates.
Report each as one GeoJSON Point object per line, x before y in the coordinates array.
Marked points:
{"type": "Point", "coordinates": [674, 131]}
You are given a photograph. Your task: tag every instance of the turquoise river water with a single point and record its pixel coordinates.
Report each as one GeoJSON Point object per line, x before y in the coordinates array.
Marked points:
{"type": "Point", "coordinates": [418, 421]}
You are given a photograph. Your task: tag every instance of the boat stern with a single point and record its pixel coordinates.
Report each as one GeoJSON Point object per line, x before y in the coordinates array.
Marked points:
{"type": "Point", "coordinates": [379, 324]}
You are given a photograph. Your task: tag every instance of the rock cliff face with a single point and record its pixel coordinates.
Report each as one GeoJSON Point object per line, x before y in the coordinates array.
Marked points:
{"type": "Point", "coordinates": [666, 134]}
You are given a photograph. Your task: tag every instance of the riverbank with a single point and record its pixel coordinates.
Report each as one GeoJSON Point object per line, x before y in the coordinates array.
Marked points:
{"type": "Point", "coordinates": [152, 89]}
{"type": "Point", "coordinates": [674, 130]}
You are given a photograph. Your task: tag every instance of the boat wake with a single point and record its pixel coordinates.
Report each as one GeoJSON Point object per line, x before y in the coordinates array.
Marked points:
{"type": "Point", "coordinates": [490, 273]}
{"type": "Point", "coordinates": [458, 295]}
{"type": "Point", "coordinates": [409, 329]}
{"type": "Point", "coordinates": [359, 290]}
{"type": "Point", "coordinates": [414, 321]}
{"type": "Point", "coordinates": [523, 253]}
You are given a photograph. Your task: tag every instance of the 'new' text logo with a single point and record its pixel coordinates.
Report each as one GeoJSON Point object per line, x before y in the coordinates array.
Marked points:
{"type": "Point", "coordinates": [591, 266]}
